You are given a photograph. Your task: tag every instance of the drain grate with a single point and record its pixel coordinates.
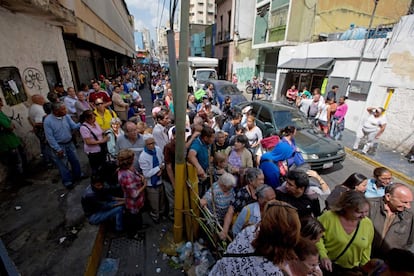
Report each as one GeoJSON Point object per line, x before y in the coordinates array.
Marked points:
{"type": "Point", "coordinates": [131, 254]}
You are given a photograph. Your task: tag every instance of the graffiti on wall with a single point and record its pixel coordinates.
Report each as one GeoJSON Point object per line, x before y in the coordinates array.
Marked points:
{"type": "Point", "coordinates": [33, 78]}
{"type": "Point", "coordinates": [245, 70]}
{"type": "Point", "coordinates": [16, 117]}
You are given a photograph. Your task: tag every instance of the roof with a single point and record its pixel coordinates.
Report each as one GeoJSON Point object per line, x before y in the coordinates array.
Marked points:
{"type": "Point", "coordinates": [308, 64]}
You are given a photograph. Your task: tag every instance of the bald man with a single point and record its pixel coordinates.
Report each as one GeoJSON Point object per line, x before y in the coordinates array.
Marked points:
{"type": "Point", "coordinates": [36, 116]}
{"type": "Point", "coordinates": [393, 220]}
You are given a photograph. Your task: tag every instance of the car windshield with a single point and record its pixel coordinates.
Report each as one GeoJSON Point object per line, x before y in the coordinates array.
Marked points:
{"type": "Point", "coordinates": [206, 75]}
{"type": "Point", "coordinates": [284, 118]}
{"type": "Point", "coordinates": [229, 90]}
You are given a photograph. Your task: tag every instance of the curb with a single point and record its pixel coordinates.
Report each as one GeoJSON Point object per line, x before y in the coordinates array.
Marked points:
{"type": "Point", "coordinates": [96, 253]}
{"type": "Point", "coordinates": [374, 163]}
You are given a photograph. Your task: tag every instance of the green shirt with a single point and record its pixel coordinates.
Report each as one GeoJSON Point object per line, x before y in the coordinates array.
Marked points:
{"type": "Point", "coordinates": [8, 140]}
{"type": "Point", "coordinates": [335, 239]}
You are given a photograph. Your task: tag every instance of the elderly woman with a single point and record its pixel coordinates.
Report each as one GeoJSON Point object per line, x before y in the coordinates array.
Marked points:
{"type": "Point", "coordinates": [263, 249]}
{"type": "Point", "coordinates": [133, 185]}
{"type": "Point", "coordinates": [253, 179]}
{"type": "Point", "coordinates": [221, 194]}
{"type": "Point", "coordinates": [94, 140]}
{"type": "Point", "coordinates": [251, 214]}
{"type": "Point", "coordinates": [239, 156]}
{"type": "Point", "coordinates": [355, 181]}
{"type": "Point", "coordinates": [113, 133]}
{"type": "Point", "coordinates": [349, 233]}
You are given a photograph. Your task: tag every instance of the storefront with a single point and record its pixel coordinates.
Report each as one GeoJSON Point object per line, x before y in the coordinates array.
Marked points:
{"type": "Point", "coordinates": [309, 72]}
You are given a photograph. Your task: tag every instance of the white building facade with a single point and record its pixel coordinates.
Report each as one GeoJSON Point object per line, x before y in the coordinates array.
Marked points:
{"type": "Point", "coordinates": [385, 78]}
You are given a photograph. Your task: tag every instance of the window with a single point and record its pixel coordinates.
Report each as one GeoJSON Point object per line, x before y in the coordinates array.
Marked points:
{"type": "Point", "coordinates": [52, 74]}
{"type": "Point", "coordinates": [11, 84]}
{"type": "Point", "coordinates": [229, 22]}
{"type": "Point", "coordinates": [229, 90]}
{"type": "Point", "coordinates": [265, 116]}
{"type": "Point", "coordinates": [284, 118]}
{"type": "Point", "coordinates": [261, 25]}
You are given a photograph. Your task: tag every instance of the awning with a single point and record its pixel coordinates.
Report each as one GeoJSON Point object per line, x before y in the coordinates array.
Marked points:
{"type": "Point", "coordinates": [308, 64]}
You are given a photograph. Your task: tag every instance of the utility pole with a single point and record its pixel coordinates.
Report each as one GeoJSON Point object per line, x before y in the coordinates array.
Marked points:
{"type": "Point", "coordinates": [366, 39]}
{"type": "Point", "coordinates": [180, 103]}
{"type": "Point", "coordinates": [173, 63]}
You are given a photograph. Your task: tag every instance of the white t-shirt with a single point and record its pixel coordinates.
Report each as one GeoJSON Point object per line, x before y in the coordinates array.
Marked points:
{"type": "Point", "coordinates": [374, 123]}
{"type": "Point", "coordinates": [36, 113]}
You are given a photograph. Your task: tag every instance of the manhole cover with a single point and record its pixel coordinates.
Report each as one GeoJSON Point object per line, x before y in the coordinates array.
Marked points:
{"type": "Point", "coordinates": [131, 253]}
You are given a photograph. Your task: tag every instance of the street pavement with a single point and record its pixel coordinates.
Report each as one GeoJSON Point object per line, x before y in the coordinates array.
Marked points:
{"type": "Point", "coordinates": [384, 156]}
{"type": "Point", "coordinates": [45, 231]}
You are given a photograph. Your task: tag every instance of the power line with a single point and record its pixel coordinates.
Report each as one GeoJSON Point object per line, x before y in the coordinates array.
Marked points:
{"type": "Point", "coordinates": [158, 7]}
{"type": "Point", "coordinates": [172, 14]}
{"type": "Point", "coordinates": [162, 13]}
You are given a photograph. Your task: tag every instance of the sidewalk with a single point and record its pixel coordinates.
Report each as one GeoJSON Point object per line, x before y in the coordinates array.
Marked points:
{"type": "Point", "coordinates": [386, 157]}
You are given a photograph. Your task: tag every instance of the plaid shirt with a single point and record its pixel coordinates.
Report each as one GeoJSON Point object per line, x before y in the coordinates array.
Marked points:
{"type": "Point", "coordinates": [131, 182]}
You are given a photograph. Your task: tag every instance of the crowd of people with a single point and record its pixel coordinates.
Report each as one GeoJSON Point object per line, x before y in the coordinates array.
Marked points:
{"type": "Point", "coordinates": [263, 197]}
{"type": "Point", "coordinates": [328, 114]}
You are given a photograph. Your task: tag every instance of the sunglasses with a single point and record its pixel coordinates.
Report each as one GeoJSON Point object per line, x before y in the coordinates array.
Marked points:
{"type": "Point", "coordinates": [98, 103]}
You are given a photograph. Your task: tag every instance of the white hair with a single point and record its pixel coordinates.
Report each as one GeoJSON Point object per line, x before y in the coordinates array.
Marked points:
{"type": "Point", "coordinates": [148, 136]}
{"type": "Point", "coordinates": [227, 180]}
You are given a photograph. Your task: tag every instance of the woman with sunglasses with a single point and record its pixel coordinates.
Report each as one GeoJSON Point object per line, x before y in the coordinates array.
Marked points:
{"type": "Point", "coordinates": [376, 186]}
{"type": "Point", "coordinates": [265, 248]}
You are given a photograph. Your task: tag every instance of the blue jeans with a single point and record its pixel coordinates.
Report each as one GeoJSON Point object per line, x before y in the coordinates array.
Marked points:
{"type": "Point", "coordinates": [102, 216]}
{"type": "Point", "coordinates": [62, 163]}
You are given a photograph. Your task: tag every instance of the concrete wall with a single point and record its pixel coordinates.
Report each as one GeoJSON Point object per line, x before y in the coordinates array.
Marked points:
{"type": "Point", "coordinates": [108, 25]}
{"type": "Point", "coordinates": [244, 64]}
{"type": "Point", "coordinates": [26, 43]}
{"type": "Point", "coordinates": [336, 15]}
{"type": "Point", "coordinates": [386, 67]}
{"type": "Point", "coordinates": [398, 72]}
{"type": "Point", "coordinates": [301, 21]}
{"type": "Point", "coordinates": [244, 18]}
{"type": "Point", "coordinates": [222, 26]}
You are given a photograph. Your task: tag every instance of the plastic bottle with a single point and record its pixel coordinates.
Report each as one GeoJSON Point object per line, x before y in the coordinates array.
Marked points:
{"type": "Point", "coordinates": [202, 268]}
{"type": "Point", "coordinates": [188, 256]}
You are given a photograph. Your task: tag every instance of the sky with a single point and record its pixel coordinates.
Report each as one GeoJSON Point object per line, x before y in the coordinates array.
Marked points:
{"type": "Point", "coordinates": [147, 14]}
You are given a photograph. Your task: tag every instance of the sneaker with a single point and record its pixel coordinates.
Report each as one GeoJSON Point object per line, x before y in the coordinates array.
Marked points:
{"type": "Point", "coordinates": [411, 160]}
